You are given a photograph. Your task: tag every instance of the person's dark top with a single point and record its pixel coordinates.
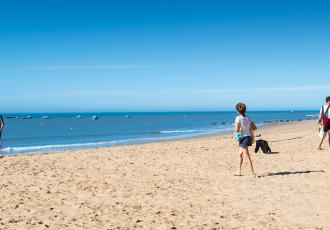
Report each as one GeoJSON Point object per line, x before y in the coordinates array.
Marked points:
{"type": "Point", "coordinates": [2, 123]}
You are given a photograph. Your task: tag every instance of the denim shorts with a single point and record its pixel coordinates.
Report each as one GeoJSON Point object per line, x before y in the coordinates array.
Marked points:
{"type": "Point", "coordinates": [245, 142]}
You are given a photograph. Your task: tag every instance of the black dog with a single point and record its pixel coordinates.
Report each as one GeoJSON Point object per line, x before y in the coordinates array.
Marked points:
{"type": "Point", "coordinates": [263, 145]}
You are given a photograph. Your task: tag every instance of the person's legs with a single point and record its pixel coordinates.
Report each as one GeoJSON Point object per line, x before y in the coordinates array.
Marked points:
{"type": "Point", "coordinates": [240, 154]}
{"type": "Point", "coordinates": [240, 161]}
{"type": "Point", "coordinates": [320, 145]}
{"type": "Point", "coordinates": [246, 153]}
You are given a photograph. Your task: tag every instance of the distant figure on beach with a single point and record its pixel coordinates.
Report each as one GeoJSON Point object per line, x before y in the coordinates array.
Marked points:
{"type": "Point", "coordinates": [2, 125]}
{"type": "Point", "coordinates": [324, 120]}
{"type": "Point", "coordinates": [243, 127]}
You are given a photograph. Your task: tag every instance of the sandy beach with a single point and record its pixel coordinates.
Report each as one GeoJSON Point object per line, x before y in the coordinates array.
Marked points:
{"type": "Point", "coordinates": [181, 184]}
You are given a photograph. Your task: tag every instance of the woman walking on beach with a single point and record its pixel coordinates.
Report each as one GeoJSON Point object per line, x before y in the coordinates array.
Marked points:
{"type": "Point", "coordinates": [324, 120]}
{"type": "Point", "coordinates": [243, 127]}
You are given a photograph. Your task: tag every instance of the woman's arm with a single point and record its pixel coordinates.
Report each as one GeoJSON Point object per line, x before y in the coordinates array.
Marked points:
{"type": "Point", "coordinates": [320, 116]}
{"type": "Point", "coordinates": [253, 126]}
{"type": "Point", "coordinates": [236, 126]}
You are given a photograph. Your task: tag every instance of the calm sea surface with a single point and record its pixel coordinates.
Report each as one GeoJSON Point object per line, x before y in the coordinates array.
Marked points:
{"type": "Point", "coordinates": [66, 131]}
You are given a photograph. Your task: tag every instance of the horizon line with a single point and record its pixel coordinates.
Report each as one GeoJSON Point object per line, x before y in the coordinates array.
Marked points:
{"type": "Point", "coordinates": [169, 111]}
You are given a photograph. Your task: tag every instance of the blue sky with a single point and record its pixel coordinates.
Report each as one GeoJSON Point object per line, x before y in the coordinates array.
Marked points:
{"type": "Point", "coordinates": [60, 56]}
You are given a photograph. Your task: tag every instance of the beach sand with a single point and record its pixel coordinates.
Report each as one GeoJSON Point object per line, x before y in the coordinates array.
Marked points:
{"type": "Point", "coordinates": [181, 184]}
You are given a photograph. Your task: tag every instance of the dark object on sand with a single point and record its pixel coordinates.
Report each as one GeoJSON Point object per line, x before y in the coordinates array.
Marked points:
{"type": "Point", "coordinates": [263, 145]}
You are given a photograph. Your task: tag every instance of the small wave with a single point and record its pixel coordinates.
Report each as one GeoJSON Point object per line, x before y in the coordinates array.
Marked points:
{"type": "Point", "coordinates": [46, 148]}
{"type": "Point", "coordinates": [71, 146]}
{"type": "Point", "coordinates": [30, 149]}
{"type": "Point", "coordinates": [311, 115]}
{"type": "Point", "coordinates": [183, 131]}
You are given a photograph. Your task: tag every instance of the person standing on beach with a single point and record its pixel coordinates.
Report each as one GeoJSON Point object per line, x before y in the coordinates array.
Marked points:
{"type": "Point", "coordinates": [243, 126]}
{"type": "Point", "coordinates": [2, 125]}
{"type": "Point", "coordinates": [324, 120]}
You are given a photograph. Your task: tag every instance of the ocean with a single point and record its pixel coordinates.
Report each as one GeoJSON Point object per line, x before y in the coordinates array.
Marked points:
{"type": "Point", "coordinates": [60, 131]}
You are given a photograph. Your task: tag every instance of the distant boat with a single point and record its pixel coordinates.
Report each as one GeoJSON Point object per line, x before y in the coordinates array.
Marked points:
{"type": "Point", "coordinates": [79, 116]}
{"type": "Point", "coordinates": [95, 118]}
{"type": "Point", "coordinates": [27, 117]}
{"type": "Point", "coordinates": [45, 117]}
{"type": "Point", "coordinates": [8, 116]}
{"type": "Point", "coordinates": [127, 116]}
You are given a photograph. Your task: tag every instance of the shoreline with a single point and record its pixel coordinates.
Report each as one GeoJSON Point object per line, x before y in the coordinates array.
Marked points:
{"type": "Point", "coordinates": [160, 140]}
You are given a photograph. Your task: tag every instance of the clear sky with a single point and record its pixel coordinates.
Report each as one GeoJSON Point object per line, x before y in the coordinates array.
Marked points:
{"type": "Point", "coordinates": [163, 55]}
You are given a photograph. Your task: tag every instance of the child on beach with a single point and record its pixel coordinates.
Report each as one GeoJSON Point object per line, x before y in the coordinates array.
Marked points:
{"type": "Point", "coordinates": [243, 125]}
{"type": "Point", "coordinates": [324, 120]}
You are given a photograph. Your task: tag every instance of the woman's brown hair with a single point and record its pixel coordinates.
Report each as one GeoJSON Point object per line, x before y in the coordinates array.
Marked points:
{"type": "Point", "coordinates": [241, 108]}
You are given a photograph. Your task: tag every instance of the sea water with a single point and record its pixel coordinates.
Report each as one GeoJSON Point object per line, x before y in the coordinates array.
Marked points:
{"type": "Point", "coordinates": [66, 131]}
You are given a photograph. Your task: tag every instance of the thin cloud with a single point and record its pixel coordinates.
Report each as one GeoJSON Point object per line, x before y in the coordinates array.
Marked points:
{"type": "Point", "coordinates": [79, 93]}
{"type": "Point", "coordinates": [288, 88]}
{"type": "Point", "coordinates": [288, 73]}
{"type": "Point", "coordinates": [100, 93]}
{"type": "Point", "coordinates": [169, 91]}
{"type": "Point", "coordinates": [249, 90]}
{"type": "Point", "coordinates": [126, 66]}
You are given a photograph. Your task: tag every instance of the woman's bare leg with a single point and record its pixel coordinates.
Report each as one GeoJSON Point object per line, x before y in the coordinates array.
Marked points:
{"type": "Point", "coordinates": [240, 163]}
{"type": "Point", "coordinates": [246, 152]}
{"type": "Point", "coordinates": [240, 154]}
{"type": "Point", "coordinates": [320, 145]}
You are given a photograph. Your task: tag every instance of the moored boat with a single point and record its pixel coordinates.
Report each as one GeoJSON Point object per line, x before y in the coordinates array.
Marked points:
{"type": "Point", "coordinates": [27, 117]}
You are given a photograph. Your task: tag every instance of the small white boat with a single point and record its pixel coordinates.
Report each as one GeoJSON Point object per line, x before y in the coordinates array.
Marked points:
{"type": "Point", "coordinates": [95, 118]}
{"type": "Point", "coordinates": [45, 117]}
{"type": "Point", "coordinates": [27, 117]}
{"type": "Point", "coordinates": [8, 116]}
{"type": "Point", "coordinates": [79, 116]}
{"type": "Point", "coordinates": [127, 116]}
